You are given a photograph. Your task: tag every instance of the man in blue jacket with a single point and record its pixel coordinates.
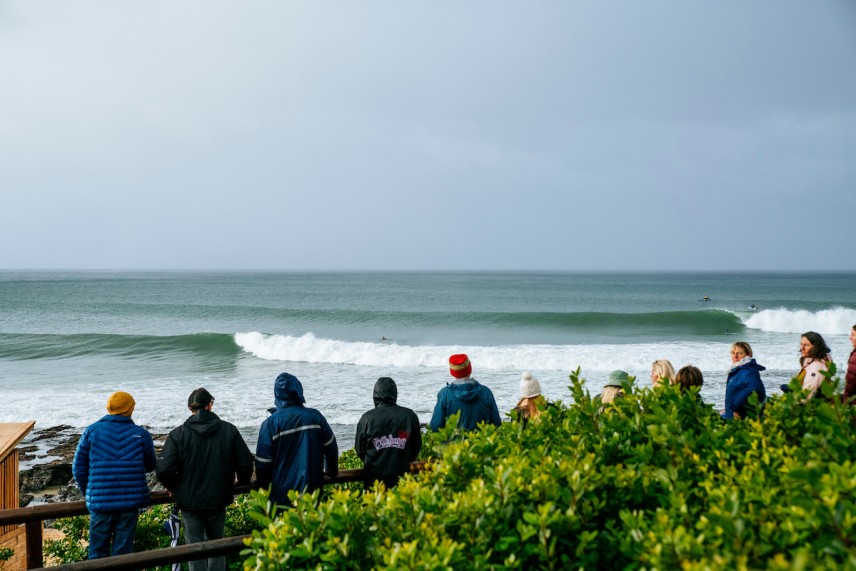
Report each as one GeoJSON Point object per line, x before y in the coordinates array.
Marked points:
{"type": "Point", "coordinates": [110, 467]}
{"type": "Point", "coordinates": [474, 401]}
{"type": "Point", "coordinates": [294, 444]}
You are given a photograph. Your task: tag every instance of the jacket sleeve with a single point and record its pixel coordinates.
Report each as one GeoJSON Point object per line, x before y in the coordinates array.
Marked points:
{"type": "Point", "coordinates": [243, 460]}
{"type": "Point", "coordinates": [494, 411]}
{"type": "Point", "coordinates": [438, 419]}
{"type": "Point", "coordinates": [264, 455]}
{"type": "Point", "coordinates": [168, 465]}
{"type": "Point", "coordinates": [150, 459]}
{"type": "Point", "coordinates": [850, 376]}
{"type": "Point", "coordinates": [813, 376]}
{"type": "Point", "coordinates": [359, 439]}
{"type": "Point", "coordinates": [80, 464]}
{"type": "Point", "coordinates": [736, 394]}
{"type": "Point", "coordinates": [414, 443]}
{"type": "Point", "coordinates": [331, 449]}
{"type": "Point", "coordinates": [729, 399]}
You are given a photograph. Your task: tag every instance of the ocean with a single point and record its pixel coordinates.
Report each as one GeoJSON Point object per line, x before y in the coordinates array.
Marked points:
{"type": "Point", "coordinates": [68, 339]}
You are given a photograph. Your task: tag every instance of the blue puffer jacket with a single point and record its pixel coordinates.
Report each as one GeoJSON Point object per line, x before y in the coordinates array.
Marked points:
{"type": "Point", "coordinates": [475, 401]}
{"type": "Point", "coordinates": [111, 462]}
{"type": "Point", "coordinates": [743, 380]}
{"type": "Point", "coordinates": [294, 444]}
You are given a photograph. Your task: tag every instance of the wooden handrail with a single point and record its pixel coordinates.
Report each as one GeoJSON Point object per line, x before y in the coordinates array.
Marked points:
{"type": "Point", "coordinates": [33, 516]}
{"type": "Point", "coordinates": [156, 557]}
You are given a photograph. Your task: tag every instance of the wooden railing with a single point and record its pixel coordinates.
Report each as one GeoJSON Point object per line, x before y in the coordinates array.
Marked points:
{"type": "Point", "coordinates": [32, 518]}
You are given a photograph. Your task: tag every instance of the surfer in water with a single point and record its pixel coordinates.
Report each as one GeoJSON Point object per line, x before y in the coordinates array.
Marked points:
{"type": "Point", "coordinates": [705, 298]}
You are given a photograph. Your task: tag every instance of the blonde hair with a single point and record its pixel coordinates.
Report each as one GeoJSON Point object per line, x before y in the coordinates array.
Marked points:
{"type": "Point", "coordinates": [528, 406]}
{"type": "Point", "coordinates": [610, 393]}
{"type": "Point", "coordinates": [664, 370]}
{"type": "Point", "coordinates": [743, 346]}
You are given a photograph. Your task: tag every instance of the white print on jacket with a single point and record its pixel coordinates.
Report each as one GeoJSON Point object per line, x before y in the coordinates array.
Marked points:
{"type": "Point", "coordinates": [390, 441]}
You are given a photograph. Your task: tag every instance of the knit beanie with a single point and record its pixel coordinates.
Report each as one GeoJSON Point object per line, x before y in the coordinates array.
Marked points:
{"type": "Point", "coordinates": [459, 366]}
{"type": "Point", "coordinates": [529, 386]}
{"type": "Point", "coordinates": [121, 403]}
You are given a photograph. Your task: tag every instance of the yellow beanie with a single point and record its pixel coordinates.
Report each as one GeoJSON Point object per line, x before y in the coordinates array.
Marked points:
{"type": "Point", "coordinates": [121, 403]}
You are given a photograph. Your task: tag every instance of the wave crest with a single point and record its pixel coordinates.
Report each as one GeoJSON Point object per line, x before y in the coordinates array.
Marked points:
{"type": "Point", "coordinates": [837, 320]}
{"type": "Point", "coordinates": [591, 357]}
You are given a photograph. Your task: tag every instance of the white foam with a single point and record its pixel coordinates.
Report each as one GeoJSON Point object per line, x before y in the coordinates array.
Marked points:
{"type": "Point", "coordinates": [837, 320]}
{"type": "Point", "coordinates": [595, 357]}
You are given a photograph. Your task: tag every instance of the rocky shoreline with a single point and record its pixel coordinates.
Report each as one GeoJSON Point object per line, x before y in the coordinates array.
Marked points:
{"type": "Point", "coordinates": [45, 458]}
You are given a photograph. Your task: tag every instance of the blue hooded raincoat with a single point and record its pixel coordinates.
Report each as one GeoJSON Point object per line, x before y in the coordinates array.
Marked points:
{"type": "Point", "coordinates": [294, 443]}
{"type": "Point", "coordinates": [475, 401]}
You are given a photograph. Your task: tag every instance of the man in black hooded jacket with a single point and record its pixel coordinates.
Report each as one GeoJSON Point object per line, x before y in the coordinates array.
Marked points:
{"type": "Point", "coordinates": [201, 461]}
{"type": "Point", "coordinates": [388, 437]}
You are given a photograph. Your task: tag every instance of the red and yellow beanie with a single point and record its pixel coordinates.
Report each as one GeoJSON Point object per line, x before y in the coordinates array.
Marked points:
{"type": "Point", "coordinates": [121, 403]}
{"type": "Point", "coordinates": [459, 366]}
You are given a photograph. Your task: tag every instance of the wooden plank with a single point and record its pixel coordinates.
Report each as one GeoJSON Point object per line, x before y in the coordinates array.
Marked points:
{"type": "Point", "coordinates": [9, 494]}
{"type": "Point", "coordinates": [11, 433]}
{"type": "Point", "coordinates": [156, 557]}
{"type": "Point", "coordinates": [34, 544]}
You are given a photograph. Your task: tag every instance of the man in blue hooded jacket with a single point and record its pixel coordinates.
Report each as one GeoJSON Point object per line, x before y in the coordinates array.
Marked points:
{"type": "Point", "coordinates": [110, 465]}
{"type": "Point", "coordinates": [294, 444]}
{"type": "Point", "coordinates": [474, 401]}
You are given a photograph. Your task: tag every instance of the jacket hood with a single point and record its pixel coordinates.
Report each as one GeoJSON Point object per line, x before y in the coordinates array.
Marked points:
{"type": "Point", "coordinates": [287, 391]}
{"type": "Point", "coordinates": [385, 391]}
{"type": "Point", "coordinates": [204, 423]}
{"type": "Point", "coordinates": [467, 391]}
{"type": "Point", "coordinates": [748, 364]}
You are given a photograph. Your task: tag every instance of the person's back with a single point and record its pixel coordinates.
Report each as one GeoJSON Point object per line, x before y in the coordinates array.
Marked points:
{"type": "Point", "coordinates": [473, 400]}
{"type": "Point", "coordinates": [203, 458]}
{"type": "Point", "coordinates": [388, 437]}
{"type": "Point", "coordinates": [118, 455]}
{"type": "Point", "coordinates": [200, 462]}
{"type": "Point", "coordinates": [294, 444]}
{"type": "Point", "coordinates": [110, 465]}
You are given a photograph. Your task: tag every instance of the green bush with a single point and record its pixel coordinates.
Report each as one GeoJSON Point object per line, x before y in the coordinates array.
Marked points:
{"type": "Point", "coordinates": [654, 481]}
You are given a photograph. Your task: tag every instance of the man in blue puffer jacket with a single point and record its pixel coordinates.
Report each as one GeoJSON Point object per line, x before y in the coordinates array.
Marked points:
{"type": "Point", "coordinates": [294, 444]}
{"type": "Point", "coordinates": [110, 467]}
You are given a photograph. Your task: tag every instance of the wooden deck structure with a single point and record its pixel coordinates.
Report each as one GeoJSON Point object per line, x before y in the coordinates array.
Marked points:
{"type": "Point", "coordinates": [12, 536]}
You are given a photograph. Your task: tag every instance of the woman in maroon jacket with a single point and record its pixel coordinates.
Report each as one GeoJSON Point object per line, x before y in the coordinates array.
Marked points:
{"type": "Point", "coordinates": [850, 377]}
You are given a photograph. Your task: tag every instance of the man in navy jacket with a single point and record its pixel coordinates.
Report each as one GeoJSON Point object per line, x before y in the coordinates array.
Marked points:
{"type": "Point", "coordinates": [110, 467]}
{"type": "Point", "coordinates": [294, 444]}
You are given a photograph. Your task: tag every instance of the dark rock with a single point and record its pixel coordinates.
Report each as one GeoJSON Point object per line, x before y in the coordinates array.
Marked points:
{"type": "Point", "coordinates": [42, 476]}
{"type": "Point", "coordinates": [25, 453]}
{"type": "Point", "coordinates": [70, 493]}
{"type": "Point", "coordinates": [24, 500]}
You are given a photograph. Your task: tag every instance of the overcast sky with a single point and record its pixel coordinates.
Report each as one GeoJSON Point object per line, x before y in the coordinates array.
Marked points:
{"type": "Point", "coordinates": [555, 135]}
